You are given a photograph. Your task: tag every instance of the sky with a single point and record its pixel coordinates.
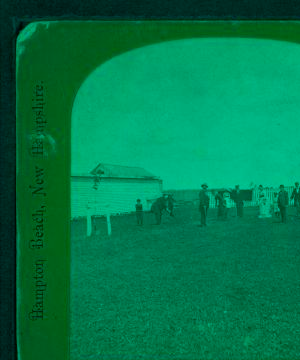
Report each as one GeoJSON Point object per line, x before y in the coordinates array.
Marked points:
{"type": "Point", "coordinates": [221, 111]}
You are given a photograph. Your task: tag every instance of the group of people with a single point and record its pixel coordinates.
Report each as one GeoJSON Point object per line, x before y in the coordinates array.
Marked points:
{"type": "Point", "coordinates": [280, 202]}
{"type": "Point", "coordinates": [223, 202]}
{"type": "Point", "coordinates": [165, 202]}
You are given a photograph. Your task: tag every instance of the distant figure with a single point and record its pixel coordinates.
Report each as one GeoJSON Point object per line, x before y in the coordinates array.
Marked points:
{"type": "Point", "coordinates": [204, 204]}
{"type": "Point", "coordinates": [170, 201]}
{"type": "Point", "coordinates": [283, 202]}
{"type": "Point", "coordinates": [139, 212]}
{"type": "Point", "coordinates": [220, 204]}
{"type": "Point", "coordinates": [276, 211]}
{"type": "Point", "coordinates": [264, 203]}
{"type": "Point", "coordinates": [157, 208]}
{"type": "Point", "coordinates": [226, 206]}
{"type": "Point", "coordinates": [296, 197]}
{"type": "Point", "coordinates": [89, 219]}
{"type": "Point", "coordinates": [239, 202]}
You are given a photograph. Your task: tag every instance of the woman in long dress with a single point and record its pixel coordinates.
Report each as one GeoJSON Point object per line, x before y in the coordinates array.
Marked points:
{"type": "Point", "coordinates": [276, 211]}
{"type": "Point", "coordinates": [264, 203]}
{"type": "Point", "coordinates": [226, 204]}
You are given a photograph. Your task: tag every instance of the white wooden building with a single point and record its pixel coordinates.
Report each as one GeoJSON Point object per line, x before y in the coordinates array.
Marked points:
{"type": "Point", "coordinates": [113, 189]}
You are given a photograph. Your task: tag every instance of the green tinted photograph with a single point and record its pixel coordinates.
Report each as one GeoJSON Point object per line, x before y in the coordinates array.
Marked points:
{"type": "Point", "coordinates": [185, 200]}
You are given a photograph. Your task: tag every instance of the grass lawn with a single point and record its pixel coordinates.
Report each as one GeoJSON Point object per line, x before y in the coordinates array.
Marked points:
{"type": "Point", "coordinates": [178, 291]}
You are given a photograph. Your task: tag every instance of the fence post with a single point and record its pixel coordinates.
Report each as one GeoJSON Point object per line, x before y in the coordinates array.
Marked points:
{"type": "Point", "coordinates": [108, 224]}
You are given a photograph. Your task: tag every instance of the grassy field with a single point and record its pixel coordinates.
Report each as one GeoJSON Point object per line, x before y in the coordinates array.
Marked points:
{"type": "Point", "coordinates": [178, 291]}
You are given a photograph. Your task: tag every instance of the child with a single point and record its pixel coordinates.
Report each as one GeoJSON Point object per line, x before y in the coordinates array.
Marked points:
{"type": "Point", "coordinates": [139, 212]}
{"type": "Point", "coordinates": [275, 205]}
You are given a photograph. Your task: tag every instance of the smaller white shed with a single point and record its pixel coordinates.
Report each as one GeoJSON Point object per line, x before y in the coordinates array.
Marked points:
{"type": "Point", "coordinates": [113, 189]}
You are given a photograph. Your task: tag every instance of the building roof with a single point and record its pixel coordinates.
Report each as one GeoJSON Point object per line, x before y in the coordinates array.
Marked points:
{"type": "Point", "coordinates": [118, 171]}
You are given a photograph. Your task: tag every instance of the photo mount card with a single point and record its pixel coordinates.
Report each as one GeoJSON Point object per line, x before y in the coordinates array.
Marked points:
{"type": "Point", "coordinates": [122, 126]}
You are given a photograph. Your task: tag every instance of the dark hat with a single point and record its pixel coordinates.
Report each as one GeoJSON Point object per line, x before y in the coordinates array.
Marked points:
{"type": "Point", "coordinates": [296, 183]}
{"type": "Point", "coordinates": [281, 186]}
{"type": "Point", "coordinates": [204, 185]}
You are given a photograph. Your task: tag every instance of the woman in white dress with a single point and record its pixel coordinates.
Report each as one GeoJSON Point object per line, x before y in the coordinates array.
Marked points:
{"type": "Point", "coordinates": [276, 211]}
{"type": "Point", "coordinates": [264, 203]}
{"type": "Point", "coordinates": [226, 204]}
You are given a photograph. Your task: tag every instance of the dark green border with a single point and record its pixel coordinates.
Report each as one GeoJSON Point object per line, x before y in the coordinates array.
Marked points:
{"type": "Point", "coordinates": [63, 54]}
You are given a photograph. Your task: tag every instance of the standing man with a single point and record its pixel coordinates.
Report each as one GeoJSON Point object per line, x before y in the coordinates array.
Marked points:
{"type": "Point", "coordinates": [204, 204]}
{"type": "Point", "coordinates": [170, 201]}
{"type": "Point", "coordinates": [219, 204]}
{"type": "Point", "coordinates": [296, 197]}
{"type": "Point", "coordinates": [239, 202]}
{"type": "Point", "coordinates": [283, 202]}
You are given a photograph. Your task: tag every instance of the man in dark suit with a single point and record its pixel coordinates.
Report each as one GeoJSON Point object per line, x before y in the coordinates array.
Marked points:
{"type": "Point", "coordinates": [238, 199]}
{"type": "Point", "coordinates": [157, 208]}
{"type": "Point", "coordinates": [296, 197]}
{"type": "Point", "coordinates": [220, 204]}
{"type": "Point", "coordinates": [283, 202]}
{"type": "Point", "coordinates": [203, 204]}
{"type": "Point", "coordinates": [170, 202]}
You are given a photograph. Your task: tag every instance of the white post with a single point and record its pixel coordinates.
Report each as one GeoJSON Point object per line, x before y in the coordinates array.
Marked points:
{"type": "Point", "coordinates": [108, 224]}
